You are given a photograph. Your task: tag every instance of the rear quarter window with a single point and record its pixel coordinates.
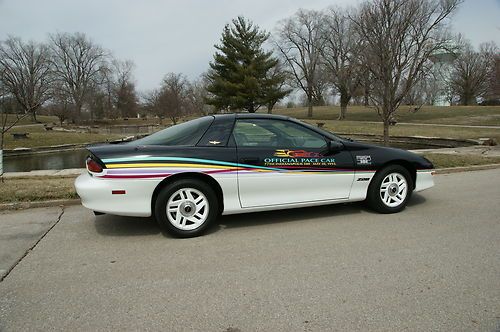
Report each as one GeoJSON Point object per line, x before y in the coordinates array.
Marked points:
{"type": "Point", "coordinates": [187, 133]}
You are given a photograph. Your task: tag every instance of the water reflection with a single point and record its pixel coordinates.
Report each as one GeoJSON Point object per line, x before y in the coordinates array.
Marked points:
{"type": "Point", "coordinates": [46, 160]}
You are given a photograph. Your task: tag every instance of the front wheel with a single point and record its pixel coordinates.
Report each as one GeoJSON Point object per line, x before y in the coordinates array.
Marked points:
{"type": "Point", "coordinates": [390, 189]}
{"type": "Point", "coordinates": [186, 208]}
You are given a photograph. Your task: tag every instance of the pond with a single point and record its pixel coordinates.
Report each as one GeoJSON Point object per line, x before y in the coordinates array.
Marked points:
{"type": "Point", "coordinates": [76, 158]}
{"type": "Point", "coordinates": [45, 161]}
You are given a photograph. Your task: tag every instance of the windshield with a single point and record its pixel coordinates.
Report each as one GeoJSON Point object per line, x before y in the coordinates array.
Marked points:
{"type": "Point", "coordinates": [187, 133]}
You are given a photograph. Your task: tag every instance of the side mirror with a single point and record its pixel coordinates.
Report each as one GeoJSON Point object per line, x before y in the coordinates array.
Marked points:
{"type": "Point", "coordinates": [335, 146]}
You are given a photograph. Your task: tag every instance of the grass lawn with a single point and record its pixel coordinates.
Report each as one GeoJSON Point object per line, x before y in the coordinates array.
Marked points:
{"type": "Point", "coordinates": [441, 160]}
{"type": "Point", "coordinates": [27, 119]}
{"type": "Point", "coordinates": [460, 115]}
{"type": "Point", "coordinates": [36, 189]}
{"type": "Point", "coordinates": [358, 127]}
{"type": "Point", "coordinates": [38, 136]}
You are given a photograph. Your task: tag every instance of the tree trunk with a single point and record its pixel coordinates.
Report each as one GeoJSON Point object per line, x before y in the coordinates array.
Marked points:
{"type": "Point", "coordinates": [386, 132]}
{"type": "Point", "coordinates": [344, 101]}
{"type": "Point", "coordinates": [1, 153]}
{"type": "Point", "coordinates": [251, 108]}
{"type": "Point", "coordinates": [343, 111]}
{"type": "Point", "coordinates": [309, 107]}
{"type": "Point", "coordinates": [78, 112]}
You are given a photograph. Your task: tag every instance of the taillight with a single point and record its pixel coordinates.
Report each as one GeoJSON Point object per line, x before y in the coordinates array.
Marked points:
{"type": "Point", "coordinates": [93, 166]}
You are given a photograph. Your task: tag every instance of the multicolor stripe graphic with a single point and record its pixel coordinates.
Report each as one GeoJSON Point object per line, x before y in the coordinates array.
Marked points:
{"type": "Point", "coordinates": [142, 167]}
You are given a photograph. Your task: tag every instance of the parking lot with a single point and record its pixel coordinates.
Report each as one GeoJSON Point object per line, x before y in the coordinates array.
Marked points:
{"type": "Point", "coordinates": [433, 267]}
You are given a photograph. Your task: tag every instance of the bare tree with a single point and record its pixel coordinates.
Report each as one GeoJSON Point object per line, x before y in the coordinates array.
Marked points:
{"type": "Point", "coordinates": [298, 40]}
{"type": "Point", "coordinates": [340, 55]}
{"type": "Point", "coordinates": [8, 118]}
{"type": "Point", "coordinates": [171, 99]}
{"type": "Point", "coordinates": [60, 105]}
{"type": "Point", "coordinates": [399, 37]}
{"type": "Point", "coordinates": [152, 104]}
{"type": "Point", "coordinates": [78, 64]}
{"type": "Point", "coordinates": [25, 73]}
{"type": "Point", "coordinates": [174, 96]}
{"type": "Point", "coordinates": [198, 95]}
{"type": "Point", "coordinates": [471, 74]}
{"type": "Point", "coordinates": [124, 90]}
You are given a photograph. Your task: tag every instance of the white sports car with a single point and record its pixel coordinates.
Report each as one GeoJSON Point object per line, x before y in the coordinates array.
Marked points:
{"type": "Point", "coordinates": [189, 174]}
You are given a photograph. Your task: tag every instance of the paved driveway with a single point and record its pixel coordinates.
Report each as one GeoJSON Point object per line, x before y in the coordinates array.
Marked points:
{"type": "Point", "coordinates": [434, 267]}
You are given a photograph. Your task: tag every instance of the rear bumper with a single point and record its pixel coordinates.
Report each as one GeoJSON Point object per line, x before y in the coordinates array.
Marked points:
{"type": "Point", "coordinates": [425, 179]}
{"type": "Point", "coordinates": [97, 194]}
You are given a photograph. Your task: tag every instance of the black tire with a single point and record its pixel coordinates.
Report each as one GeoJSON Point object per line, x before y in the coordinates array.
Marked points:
{"type": "Point", "coordinates": [166, 194]}
{"type": "Point", "coordinates": [374, 197]}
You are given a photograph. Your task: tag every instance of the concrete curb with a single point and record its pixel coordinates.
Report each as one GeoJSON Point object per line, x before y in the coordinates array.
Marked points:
{"type": "Point", "coordinates": [38, 204]}
{"type": "Point", "coordinates": [66, 202]}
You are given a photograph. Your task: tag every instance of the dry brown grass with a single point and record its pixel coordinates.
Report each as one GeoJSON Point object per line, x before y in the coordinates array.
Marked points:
{"type": "Point", "coordinates": [14, 190]}
{"type": "Point", "coordinates": [460, 115]}
{"type": "Point", "coordinates": [37, 137]}
{"type": "Point", "coordinates": [441, 160]}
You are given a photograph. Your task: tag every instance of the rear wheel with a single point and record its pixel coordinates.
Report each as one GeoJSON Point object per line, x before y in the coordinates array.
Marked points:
{"type": "Point", "coordinates": [390, 189]}
{"type": "Point", "coordinates": [186, 208]}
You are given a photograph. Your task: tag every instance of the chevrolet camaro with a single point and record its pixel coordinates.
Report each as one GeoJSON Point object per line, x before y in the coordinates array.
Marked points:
{"type": "Point", "coordinates": [189, 174]}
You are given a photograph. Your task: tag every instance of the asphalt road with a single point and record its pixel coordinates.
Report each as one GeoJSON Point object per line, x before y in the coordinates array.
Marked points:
{"type": "Point", "coordinates": [433, 267]}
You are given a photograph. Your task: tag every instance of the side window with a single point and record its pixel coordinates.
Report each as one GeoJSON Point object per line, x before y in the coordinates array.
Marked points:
{"type": "Point", "coordinates": [187, 133]}
{"type": "Point", "coordinates": [275, 134]}
{"type": "Point", "coordinates": [217, 135]}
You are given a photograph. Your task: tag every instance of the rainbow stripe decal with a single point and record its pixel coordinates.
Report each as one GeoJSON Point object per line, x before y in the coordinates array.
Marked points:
{"type": "Point", "coordinates": [143, 167]}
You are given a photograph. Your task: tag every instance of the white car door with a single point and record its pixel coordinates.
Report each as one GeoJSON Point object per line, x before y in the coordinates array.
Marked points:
{"type": "Point", "coordinates": [282, 162]}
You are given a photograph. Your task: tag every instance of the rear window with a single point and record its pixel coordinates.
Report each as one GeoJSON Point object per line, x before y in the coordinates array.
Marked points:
{"type": "Point", "coordinates": [187, 133]}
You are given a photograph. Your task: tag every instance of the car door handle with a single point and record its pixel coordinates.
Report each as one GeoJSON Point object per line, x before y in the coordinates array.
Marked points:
{"type": "Point", "coordinates": [250, 161]}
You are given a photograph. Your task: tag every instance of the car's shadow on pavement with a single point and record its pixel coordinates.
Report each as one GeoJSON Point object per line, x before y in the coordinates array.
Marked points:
{"type": "Point", "coordinates": [109, 225]}
{"type": "Point", "coordinates": [416, 199]}
{"type": "Point", "coordinates": [289, 215]}
{"type": "Point", "coordinates": [294, 215]}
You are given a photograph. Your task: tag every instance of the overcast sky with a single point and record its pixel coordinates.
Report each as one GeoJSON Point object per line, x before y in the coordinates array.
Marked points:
{"type": "Point", "coordinates": [178, 35]}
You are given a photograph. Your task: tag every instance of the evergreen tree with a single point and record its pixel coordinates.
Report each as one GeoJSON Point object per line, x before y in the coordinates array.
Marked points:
{"type": "Point", "coordinates": [239, 77]}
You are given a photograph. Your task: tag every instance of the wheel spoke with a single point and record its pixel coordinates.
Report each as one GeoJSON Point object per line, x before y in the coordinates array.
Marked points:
{"type": "Point", "coordinates": [387, 198]}
{"type": "Point", "coordinates": [183, 195]}
{"type": "Point", "coordinates": [189, 195]}
{"type": "Point", "coordinates": [178, 217]}
{"type": "Point", "coordinates": [200, 205]}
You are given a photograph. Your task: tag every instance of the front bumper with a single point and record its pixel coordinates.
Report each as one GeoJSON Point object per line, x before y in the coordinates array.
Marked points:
{"type": "Point", "coordinates": [425, 179]}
